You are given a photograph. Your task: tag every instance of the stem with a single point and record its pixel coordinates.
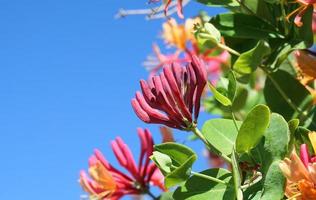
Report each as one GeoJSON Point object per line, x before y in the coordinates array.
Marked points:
{"type": "Point", "coordinates": [230, 50]}
{"type": "Point", "coordinates": [243, 187]}
{"type": "Point", "coordinates": [285, 97]}
{"type": "Point", "coordinates": [284, 18]}
{"type": "Point", "coordinates": [234, 119]}
{"type": "Point", "coordinates": [208, 177]}
{"type": "Point", "coordinates": [199, 134]}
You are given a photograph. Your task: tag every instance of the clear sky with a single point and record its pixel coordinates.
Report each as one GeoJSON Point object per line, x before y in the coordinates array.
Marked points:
{"type": "Point", "coordinates": [68, 70]}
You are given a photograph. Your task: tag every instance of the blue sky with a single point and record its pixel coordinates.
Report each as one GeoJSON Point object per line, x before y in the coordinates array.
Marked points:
{"type": "Point", "coordinates": [68, 70]}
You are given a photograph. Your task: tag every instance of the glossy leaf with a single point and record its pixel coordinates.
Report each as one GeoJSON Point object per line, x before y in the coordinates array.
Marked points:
{"type": "Point", "coordinates": [221, 133]}
{"type": "Point", "coordinates": [248, 61]}
{"type": "Point", "coordinates": [232, 86]}
{"type": "Point", "coordinates": [239, 25]}
{"type": "Point", "coordinates": [253, 128]}
{"type": "Point", "coordinates": [301, 98]}
{"type": "Point", "coordinates": [220, 97]}
{"type": "Point", "coordinates": [197, 188]}
{"type": "Point", "coordinates": [182, 159]}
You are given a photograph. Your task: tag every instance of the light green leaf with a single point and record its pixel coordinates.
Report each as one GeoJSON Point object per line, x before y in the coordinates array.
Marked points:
{"type": "Point", "coordinates": [253, 128]}
{"type": "Point", "coordinates": [236, 176]}
{"type": "Point", "coordinates": [232, 86]}
{"type": "Point", "coordinates": [220, 97]}
{"type": "Point", "coordinates": [182, 159]}
{"type": "Point", "coordinates": [248, 61]}
{"type": "Point", "coordinates": [221, 133]}
{"type": "Point", "coordinates": [197, 188]}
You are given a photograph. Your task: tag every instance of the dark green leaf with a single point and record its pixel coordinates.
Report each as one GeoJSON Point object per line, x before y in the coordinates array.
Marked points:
{"type": "Point", "coordinates": [238, 25]}
{"type": "Point", "coordinates": [294, 90]}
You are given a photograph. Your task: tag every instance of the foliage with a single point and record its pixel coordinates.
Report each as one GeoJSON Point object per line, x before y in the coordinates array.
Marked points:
{"type": "Point", "coordinates": [263, 90]}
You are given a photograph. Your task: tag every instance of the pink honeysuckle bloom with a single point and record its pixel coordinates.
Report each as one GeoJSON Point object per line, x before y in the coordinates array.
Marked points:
{"type": "Point", "coordinates": [172, 97]}
{"type": "Point", "coordinates": [301, 11]}
{"type": "Point", "coordinates": [300, 173]}
{"type": "Point", "coordinates": [107, 182]}
{"type": "Point", "coordinates": [213, 64]}
{"type": "Point", "coordinates": [179, 8]}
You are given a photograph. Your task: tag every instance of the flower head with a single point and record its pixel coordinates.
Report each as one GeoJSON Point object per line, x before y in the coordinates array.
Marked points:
{"type": "Point", "coordinates": [300, 173]}
{"type": "Point", "coordinates": [107, 182]}
{"type": "Point", "coordinates": [172, 97]}
{"type": "Point", "coordinates": [179, 34]}
{"type": "Point", "coordinates": [304, 5]}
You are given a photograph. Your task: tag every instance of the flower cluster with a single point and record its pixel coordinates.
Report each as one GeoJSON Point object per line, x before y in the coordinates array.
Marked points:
{"type": "Point", "coordinates": [172, 97]}
{"type": "Point", "coordinates": [181, 37]}
{"type": "Point", "coordinates": [110, 183]}
{"type": "Point", "coordinates": [301, 173]}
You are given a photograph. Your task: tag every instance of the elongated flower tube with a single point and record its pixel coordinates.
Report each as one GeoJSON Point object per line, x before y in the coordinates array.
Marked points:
{"type": "Point", "coordinates": [173, 97]}
{"type": "Point", "coordinates": [107, 182]}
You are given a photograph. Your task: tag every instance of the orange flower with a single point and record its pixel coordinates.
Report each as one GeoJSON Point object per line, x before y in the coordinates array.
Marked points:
{"type": "Point", "coordinates": [179, 34]}
{"type": "Point", "coordinates": [304, 4]}
{"type": "Point", "coordinates": [306, 64]}
{"type": "Point", "coordinates": [108, 183]}
{"type": "Point", "coordinates": [300, 173]}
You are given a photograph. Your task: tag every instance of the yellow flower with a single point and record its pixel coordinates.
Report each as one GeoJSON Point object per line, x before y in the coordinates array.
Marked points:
{"type": "Point", "coordinates": [179, 34]}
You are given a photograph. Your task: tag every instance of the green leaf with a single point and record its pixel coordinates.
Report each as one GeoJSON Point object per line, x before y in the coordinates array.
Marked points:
{"type": "Point", "coordinates": [248, 61]}
{"type": "Point", "coordinates": [305, 32]}
{"type": "Point", "coordinates": [294, 90]}
{"type": "Point", "coordinates": [166, 196]}
{"type": "Point", "coordinates": [253, 128]}
{"type": "Point", "coordinates": [236, 176]}
{"type": "Point", "coordinates": [182, 159]}
{"type": "Point", "coordinates": [232, 86]}
{"type": "Point", "coordinates": [220, 97]}
{"type": "Point", "coordinates": [276, 140]}
{"type": "Point", "coordinates": [274, 183]}
{"type": "Point", "coordinates": [230, 4]}
{"type": "Point", "coordinates": [221, 133]}
{"type": "Point", "coordinates": [207, 35]}
{"type": "Point", "coordinates": [239, 25]}
{"type": "Point", "coordinates": [163, 162]}
{"type": "Point", "coordinates": [197, 188]}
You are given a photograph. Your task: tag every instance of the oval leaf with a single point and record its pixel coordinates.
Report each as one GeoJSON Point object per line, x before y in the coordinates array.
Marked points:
{"type": "Point", "coordinates": [253, 128]}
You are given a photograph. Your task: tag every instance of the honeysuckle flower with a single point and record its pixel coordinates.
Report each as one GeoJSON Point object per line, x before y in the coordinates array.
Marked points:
{"type": "Point", "coordinates": [179, 34]}
{"type": "Point", "coordinates": [107, 182]}
{"type": "Point", "coordinates": [172, 97]}
{"type": "Point", "coordinates": [300, 173]}
{"type": "Point", "coordinates": [179, 7]}
{"type": "Point", "coordinates": [306, 63]}
{"type": "Point", "coordinates": [304, 4]}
